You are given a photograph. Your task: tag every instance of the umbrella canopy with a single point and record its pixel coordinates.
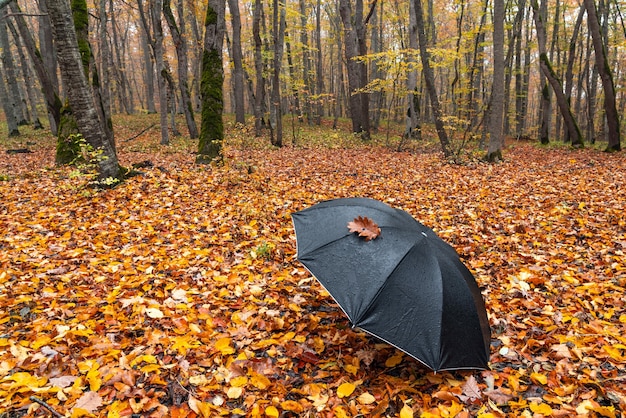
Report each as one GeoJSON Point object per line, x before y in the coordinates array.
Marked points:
{"type": "Point", "coordinates": [407, 286]}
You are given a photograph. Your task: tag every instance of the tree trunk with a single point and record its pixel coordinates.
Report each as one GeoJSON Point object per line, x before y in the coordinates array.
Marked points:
{"type": "Point", "coordinates": [28, 78]}
{"type": "Point", "coordinates": [357, 71]}
{"type": "Point", "coordinates": [8, 64]}
{"type": "Point", "coordinates": [411, 84]}
{"type": "Point", "coordinates": [306, 62]}
{"type": "Point", "coordinates": [571, 56]}
{"type": "Point", "coordinates": [429, 79]}
{"type": "Point", "coordinates": [275, 110]}
{"type": "Point", "coordinates": [319, 64]}
{"type": "Point", "coordinates": [212, 128]}
{"type": "Point", "coordinates": [8, 109]}
{"type": "Point", "coordinates": [148, 70]}
{"type": "Point", "coordinates": [555, 83]}
{"type": "Point", "coordinates": [180, 43]}
{"type": "Point", "coordinates": [496, 140]}
{"type": "Point", "coordinates": [602, 64]}
{"type": "Point", "coordinates": [124, 90]}
{"type": "Point", "coordinates": [238, 79]}
{"type": "Point", "coordinates": [259, 96]}
{"type": "Point", "coordinates": [48, 85]}
{"type": "Point", "coordinates": [79, 93]}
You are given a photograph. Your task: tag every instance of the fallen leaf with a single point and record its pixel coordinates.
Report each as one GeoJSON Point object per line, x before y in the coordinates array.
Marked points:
{"type": "Point", "coordinates": [364, 227]}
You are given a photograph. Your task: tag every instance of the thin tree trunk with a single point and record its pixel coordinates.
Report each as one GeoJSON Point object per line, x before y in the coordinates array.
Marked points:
{"type": "Point", "coordinates": [602, 64]}
{"type": "Point", "coordinates": [238, 74]}
{"type": "Point", "coordinates": [8, 109]}
{"type": "Point", "coordinates": [259, 96]}
{"type": "Point", "coordinates": [357, 71]}
{"type": "Point", "coordinates": [319, 78]}
{"type": "Point", "coordinates": [28, 77]}
{"type": "Point", "coordinates": [429, 79]}
{"type": "Point", "coordinates": [306, 63]}
{"type": "Point", "coordinates": [79, 94]}
{"type": "Point", "coordinates": [8, 64]}
{"type": "Point", "coordinates": [48, 86]}
{"type": "Point", "coordinates": [275, 110]}
{"type": "Point", "coordinates": [212, 127]}
{"type": "Point", "coordinates": [496, 139]}
{"type": "Point", "coordinates": [180, 43]}
{"type": "Point", "coordinates": [555, 83]}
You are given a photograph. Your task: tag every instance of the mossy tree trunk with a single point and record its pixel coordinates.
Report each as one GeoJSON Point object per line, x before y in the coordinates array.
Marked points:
{"type": "Point", "coordinates": [212, 127]}
{"type": "Point", "coordinates": [79, 94]}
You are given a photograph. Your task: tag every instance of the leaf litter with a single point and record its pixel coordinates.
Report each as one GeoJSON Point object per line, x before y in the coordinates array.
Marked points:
{"type": "Point", "coordinates": [178, 294]}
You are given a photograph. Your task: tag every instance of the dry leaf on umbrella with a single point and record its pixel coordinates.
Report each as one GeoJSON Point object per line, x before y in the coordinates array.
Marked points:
{"type": "Point", "coordinates": [365, 227]}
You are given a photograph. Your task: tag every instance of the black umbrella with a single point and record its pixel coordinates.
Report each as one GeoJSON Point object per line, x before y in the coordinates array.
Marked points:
{"type": "Point", "coordinates": [407, 286]}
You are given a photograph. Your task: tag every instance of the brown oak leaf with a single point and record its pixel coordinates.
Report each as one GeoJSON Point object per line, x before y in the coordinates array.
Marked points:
{"type": "Point", "coordinates": [365, 227]}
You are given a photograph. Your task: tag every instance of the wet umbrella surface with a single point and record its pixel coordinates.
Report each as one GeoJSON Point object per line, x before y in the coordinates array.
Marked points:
{"type": "Point", "coordinates": [405, 286]}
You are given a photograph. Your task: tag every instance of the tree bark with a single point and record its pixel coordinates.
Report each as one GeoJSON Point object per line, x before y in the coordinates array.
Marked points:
{"type": "Point", "coordinates": [8, 109]}
{"type": "Point", "coordinates": [429, 79]}
{"type": "Point", "coordinates": [275, 108]}
{"type": "Point", "coordinates": [180, 43]}
{"type": "Point", "coordinates": [259, 95]}
{"type": "Point", "coordinates": [496, 139]}
{"type": "Point", "coordinates": [604, 69]}
{"type": "Point", "coordinates": [48, 85]}
{"type": "Point", "coordinates": [555, 83]}
{"type": "Point", "coordinates": [319, 64]}
{"type": "Point", "coordinates": [212, 128]}
{"type": "Point", "coordinates": [238, 74]}
{"type": "Point", "coordinates": [79, 93]}
{"type": "Point", "coordinates": [155, 40]}
{"type": "Point", "coordinates": [28, 79]}
{"type": "Point", "coordinates": [9, 72]}
{"type": "Point", "coordinates": [357, 71]}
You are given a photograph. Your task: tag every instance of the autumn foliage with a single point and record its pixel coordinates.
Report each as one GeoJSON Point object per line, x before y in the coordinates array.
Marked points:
{"type": "Point", "coordinates": [178, 294]}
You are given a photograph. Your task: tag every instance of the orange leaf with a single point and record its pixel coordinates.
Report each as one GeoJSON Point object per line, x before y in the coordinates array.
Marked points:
{"type": "Point", "coordinates": [365, 227]}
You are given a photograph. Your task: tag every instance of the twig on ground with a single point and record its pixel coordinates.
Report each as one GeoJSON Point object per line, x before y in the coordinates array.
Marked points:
{"type": "Point", "coordinates": [45, 405]}
{"type": "Point", "coordinates": [140, 133]}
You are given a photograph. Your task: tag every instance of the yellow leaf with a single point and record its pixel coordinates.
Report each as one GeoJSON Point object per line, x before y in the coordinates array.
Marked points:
{"type": "Point", "coordinates": [201, 408]}
{"type": "Point", "coordinates": [541, 408]}
{"type": "Point", "coordinates": [93, 377]}
{"type": "Point", "coordinates": [271, 411]}
{"type": "Point", "coordinates": [154, 313]}
{"type": "Point", "coordinates": [345, 390]}
{"type": "Point", "coordinates": [234, 392]}
{"type": "Point", "coordinates": [223, 346]}
{"type": "Point", "coordinates": [259, 381]}
{"type": "Point", "coordinates": [292, 406]}
{"type": "Point", "coordinates": [394, 360]}
{"type": "Point", "coordinates": [239, 381]}
{"type": "Point", "coordinates": [406, 412]}
{"type": "Point", "coordinates": [366, 398]}
{"type": "Point", "coordinates": [340, 412]}
{"type": "Point", "coordinates": [539, 378]}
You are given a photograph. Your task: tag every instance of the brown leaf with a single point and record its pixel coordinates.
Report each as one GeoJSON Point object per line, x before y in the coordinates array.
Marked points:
{"type": "Point", "coordinates": [365, 227]}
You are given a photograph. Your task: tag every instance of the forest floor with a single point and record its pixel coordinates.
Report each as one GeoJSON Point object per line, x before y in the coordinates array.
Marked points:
{"type": "Point", "coordinates": [177, 293]}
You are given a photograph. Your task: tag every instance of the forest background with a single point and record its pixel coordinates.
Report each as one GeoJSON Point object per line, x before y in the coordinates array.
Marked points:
{"type": "Point", "coordinates": [177, 293]}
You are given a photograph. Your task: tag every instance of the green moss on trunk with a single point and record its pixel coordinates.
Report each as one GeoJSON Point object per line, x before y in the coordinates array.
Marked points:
{"type": "Point", "coordinates": [81, 24]}
{"type": "Point", "coordinates": [68, 148]}
{"type": "Point", "coordinates": [212, 128]}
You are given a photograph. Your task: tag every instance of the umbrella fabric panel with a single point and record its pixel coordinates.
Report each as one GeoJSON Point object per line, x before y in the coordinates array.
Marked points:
{"type": "Point", "coordinates": [407, 311]}
{"type": "Point", "coordinates": [343, 268]}
{"type": "Point", "coordinates": [327, 221]}
{"type": "Point", "coordinates": [463, 320]}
